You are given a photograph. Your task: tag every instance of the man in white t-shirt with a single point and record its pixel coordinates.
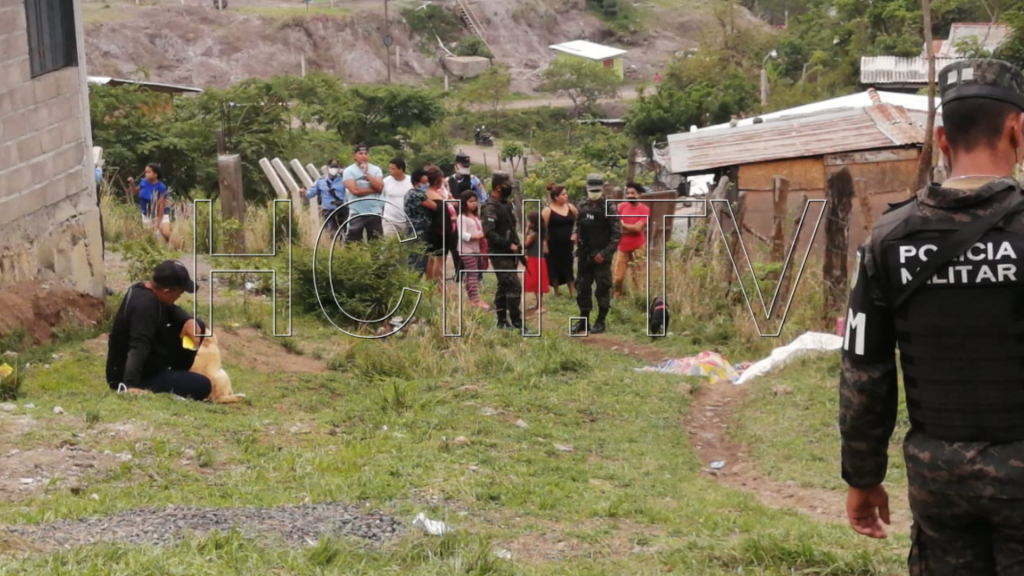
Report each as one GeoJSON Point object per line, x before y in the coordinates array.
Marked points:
{"type": "Point", "coordinates": [396, 186]}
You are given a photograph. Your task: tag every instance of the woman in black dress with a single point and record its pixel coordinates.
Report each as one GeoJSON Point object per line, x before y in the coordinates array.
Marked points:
{"type": "Point", "coordinates": [560, 218]}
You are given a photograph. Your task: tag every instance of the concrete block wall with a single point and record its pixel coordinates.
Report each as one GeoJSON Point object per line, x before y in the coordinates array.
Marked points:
{"type": "Point", "coordinates": [49, 218]}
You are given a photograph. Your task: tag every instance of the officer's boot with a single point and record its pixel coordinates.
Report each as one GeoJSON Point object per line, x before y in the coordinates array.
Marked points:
{"type": "Point", "coordinates": [503, 319]}
{"type": "Point", "coordinates": [602, 314]}
{"type": "Point", "coordinates": [580, 327]}
{"type": "Point", "coordinates": [516, 318]}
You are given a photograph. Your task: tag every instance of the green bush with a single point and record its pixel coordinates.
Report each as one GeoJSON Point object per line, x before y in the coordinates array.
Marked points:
{"type": "Point", "coordinates": [368, 281]}
{"type": "Point", "coordinates": [143, 257]}
{"type": "Point", "coordinates": [434, 20]}
{"type": "Point", "coordinates": [473, 46]}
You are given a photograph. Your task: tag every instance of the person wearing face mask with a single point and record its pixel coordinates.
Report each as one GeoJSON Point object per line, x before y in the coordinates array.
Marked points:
{"type": "Point", "coordinates": [499, 224]}
{"type": "Point", "coordinates": [632, 252]}
{"type": "Point", "coordinates": [940, 279]}
{"type": "Point", "coordinates": [464, 180]}
{"type": "Point", "coordinates": [419, 213]}
{"type": "Point", "coordinates": [597, 235]}
{"type": "Point", "coordinates": [331, 191]}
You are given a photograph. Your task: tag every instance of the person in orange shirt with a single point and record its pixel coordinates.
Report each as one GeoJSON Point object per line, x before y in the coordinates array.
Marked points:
{"type": "Point", "coordinates": [632, 252]}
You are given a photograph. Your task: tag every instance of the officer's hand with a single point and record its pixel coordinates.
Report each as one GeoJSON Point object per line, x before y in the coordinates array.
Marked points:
{"type": "Point", "coordinates": [575, 239]}
{"type": "Point", "coordinates": [514, 248]}
{"type": "Point", "coordinates": [867, 509]}
{"type": "Point", "coordinates": [599, 259]}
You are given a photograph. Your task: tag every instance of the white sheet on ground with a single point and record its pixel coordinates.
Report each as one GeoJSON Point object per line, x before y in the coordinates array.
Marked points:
{"type": "Point", "coordinates": [807, 342]}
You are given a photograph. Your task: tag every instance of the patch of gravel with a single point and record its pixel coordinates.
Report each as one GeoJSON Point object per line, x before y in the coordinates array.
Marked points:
{"type": "Point", "coordinates": [295, 525]}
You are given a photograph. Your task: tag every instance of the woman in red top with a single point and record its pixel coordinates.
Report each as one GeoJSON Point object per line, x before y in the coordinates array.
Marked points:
{"type": "Point", "coordinates": [536, 267]}
{"type": "Point", "coordinates": [632, 252]}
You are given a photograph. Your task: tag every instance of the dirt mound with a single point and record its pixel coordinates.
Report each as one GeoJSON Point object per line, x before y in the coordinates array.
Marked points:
{"type": "Point", "coordinates": [249, 347]}
{"type": "Point", "coordinates": [38, 309]}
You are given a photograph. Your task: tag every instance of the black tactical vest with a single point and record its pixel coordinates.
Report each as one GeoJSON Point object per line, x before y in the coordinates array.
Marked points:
{"type": "Point", "coordinates": [961, 335]}
{"type": "Point", "coordinates": [595, 229]}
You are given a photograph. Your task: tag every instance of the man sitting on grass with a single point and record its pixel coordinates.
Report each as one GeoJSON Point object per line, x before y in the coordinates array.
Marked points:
{"type": "Point", "coordinates": [147, 350]}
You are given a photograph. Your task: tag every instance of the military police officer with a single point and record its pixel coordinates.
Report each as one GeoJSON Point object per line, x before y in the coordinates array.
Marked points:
{"type": "Point", "coordinates": [331, 190]}
{"type": "Point", "coordinates": [940, 278]}
{"type": "Point", "coordinates": [597, 234]}
{"type": "Point", "coordinates": [499, 224]}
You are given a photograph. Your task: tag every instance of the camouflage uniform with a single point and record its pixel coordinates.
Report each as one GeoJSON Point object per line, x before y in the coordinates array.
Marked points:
{"type": "Point", "coordinates": [967, 497]}
{"type": "Point", "coordinates": [498, 220]}
{"type": "Point", "coordinates": [599, 231]}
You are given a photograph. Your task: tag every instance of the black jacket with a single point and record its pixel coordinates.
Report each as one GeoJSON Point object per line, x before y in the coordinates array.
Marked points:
{"type": "Point", "coordinates": [499, 224]}
{"type": "Point", "coordinates": [143, 338]}
{"type": "Point", "coordinates": [598, 228]}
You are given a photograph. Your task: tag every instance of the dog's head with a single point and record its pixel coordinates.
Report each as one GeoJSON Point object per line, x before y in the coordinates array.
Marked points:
{"type": "Point", "coordinates": [209, 344]}
{"type": "Point", "coordinates": [658, 324]}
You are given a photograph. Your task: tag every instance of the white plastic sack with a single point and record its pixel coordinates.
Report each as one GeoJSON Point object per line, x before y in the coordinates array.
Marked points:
{"type": "Point", "coordinates": [807, 342]}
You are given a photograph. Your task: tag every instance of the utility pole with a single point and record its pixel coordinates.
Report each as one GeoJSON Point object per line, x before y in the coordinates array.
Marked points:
{"type": "Point", "coordinates": [388, 40]}
{"type": "Point", "coordinates": [925, 162]}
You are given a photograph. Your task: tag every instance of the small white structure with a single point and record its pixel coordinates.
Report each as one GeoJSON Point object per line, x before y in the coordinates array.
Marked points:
{"type": "Point", "coordinates": [608, 56]}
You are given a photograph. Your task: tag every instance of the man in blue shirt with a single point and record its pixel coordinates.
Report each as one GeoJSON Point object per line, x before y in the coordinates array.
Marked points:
{"type": "Point", "coordinates": [331, 190]}
{"type": "Point", "coordinates": [364, 181]}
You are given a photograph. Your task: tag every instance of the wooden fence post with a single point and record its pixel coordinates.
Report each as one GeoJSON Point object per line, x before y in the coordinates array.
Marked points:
{"type": "Point", "coordinates": [710, 240]}
{"type": "Point", "coordinates": [232, 202]}
{"type": "Point", "coordinates": [739, 212]}
{"type": "Point", "coordinates": [780, 197]}
{"type": "Point", "coordinates": [839, 198]}
{"type": "Point", "coordinates": [864, 202]}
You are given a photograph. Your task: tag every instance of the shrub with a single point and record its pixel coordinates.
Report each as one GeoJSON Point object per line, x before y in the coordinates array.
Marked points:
{"type": "Point", "coordinates": [368, 281]}
{"type": "Point", "coordinates": [143, 257]}
{"type": "Point", "coordinates": [473, 46]}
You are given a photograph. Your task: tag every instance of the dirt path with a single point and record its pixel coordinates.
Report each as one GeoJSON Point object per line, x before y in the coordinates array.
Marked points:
{"type": "Point", "coordinates": [708, 427]}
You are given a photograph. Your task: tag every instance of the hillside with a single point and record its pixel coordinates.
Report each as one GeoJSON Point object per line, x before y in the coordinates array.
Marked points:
{"type": "Point", "coordinates": [190, 42]}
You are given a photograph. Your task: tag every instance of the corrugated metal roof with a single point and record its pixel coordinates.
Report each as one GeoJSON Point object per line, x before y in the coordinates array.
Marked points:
{"type": "Point", "coordinates": [877, 70]}
{"type": "Point", "coordinates": [832, 132]}
{"type": "Point", "coordinates": [154, 86]}
{"type": "Point", "coordinates": [588, 50]}
{"type": "Point", "coordinates": [857, 100]}
{"type": "Point", "coordinates": [990, 36]}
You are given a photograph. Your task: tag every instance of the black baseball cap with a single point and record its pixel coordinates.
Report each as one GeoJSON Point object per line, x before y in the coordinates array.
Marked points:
{"type": "Point", "coordinates": [173, 274]}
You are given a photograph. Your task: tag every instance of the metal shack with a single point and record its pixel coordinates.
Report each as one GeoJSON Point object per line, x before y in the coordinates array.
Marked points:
{"type": "Point", "coordinates": [880, 144]}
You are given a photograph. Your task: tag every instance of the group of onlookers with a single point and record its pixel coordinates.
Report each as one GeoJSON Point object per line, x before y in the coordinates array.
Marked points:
{"type": "Point", "coordinates": [458, 220]}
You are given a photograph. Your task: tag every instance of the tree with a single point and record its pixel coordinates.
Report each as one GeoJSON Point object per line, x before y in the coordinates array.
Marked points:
{"type": "Point", "coordinates": [383, 115]}
{"type": "Point", "coordinates": [582, 81]}
{"type": "Point", "coordinates": [490, 88]}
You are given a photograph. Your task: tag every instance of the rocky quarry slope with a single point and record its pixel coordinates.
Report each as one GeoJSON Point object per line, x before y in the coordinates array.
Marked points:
{"type": "Point", "coordinates": [191, 43]}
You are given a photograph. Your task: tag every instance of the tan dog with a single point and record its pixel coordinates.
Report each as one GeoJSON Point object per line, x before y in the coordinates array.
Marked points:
{"type": "Point", "coordinates": [207, 363]}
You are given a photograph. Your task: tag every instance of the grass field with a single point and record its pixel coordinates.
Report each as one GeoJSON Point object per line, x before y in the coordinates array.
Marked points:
{"type": "Point", "coordinates": [379, 428]}
{"type": "Point", "coordinates": [552, 452]}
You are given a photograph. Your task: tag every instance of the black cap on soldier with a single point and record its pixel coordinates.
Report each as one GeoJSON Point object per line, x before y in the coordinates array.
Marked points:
{"type": "Point", "coordinates": [595, 182]}
{"type": "Point", "coordinates": [462, 159]}
{"type": "Point", "coordinates": [500, 178]}
{"type": "Point", "coordinates": [982, 78]}
{"type": "Point", "coordinates": [173, 274]}
{"type": "Point", "coordinates": [334, 163]}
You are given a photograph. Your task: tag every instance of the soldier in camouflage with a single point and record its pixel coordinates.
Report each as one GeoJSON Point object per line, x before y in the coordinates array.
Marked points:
{"type": "Point", "coordinates": [940, 278]}
{"type": "Point", "coordinates": [597, 233]}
